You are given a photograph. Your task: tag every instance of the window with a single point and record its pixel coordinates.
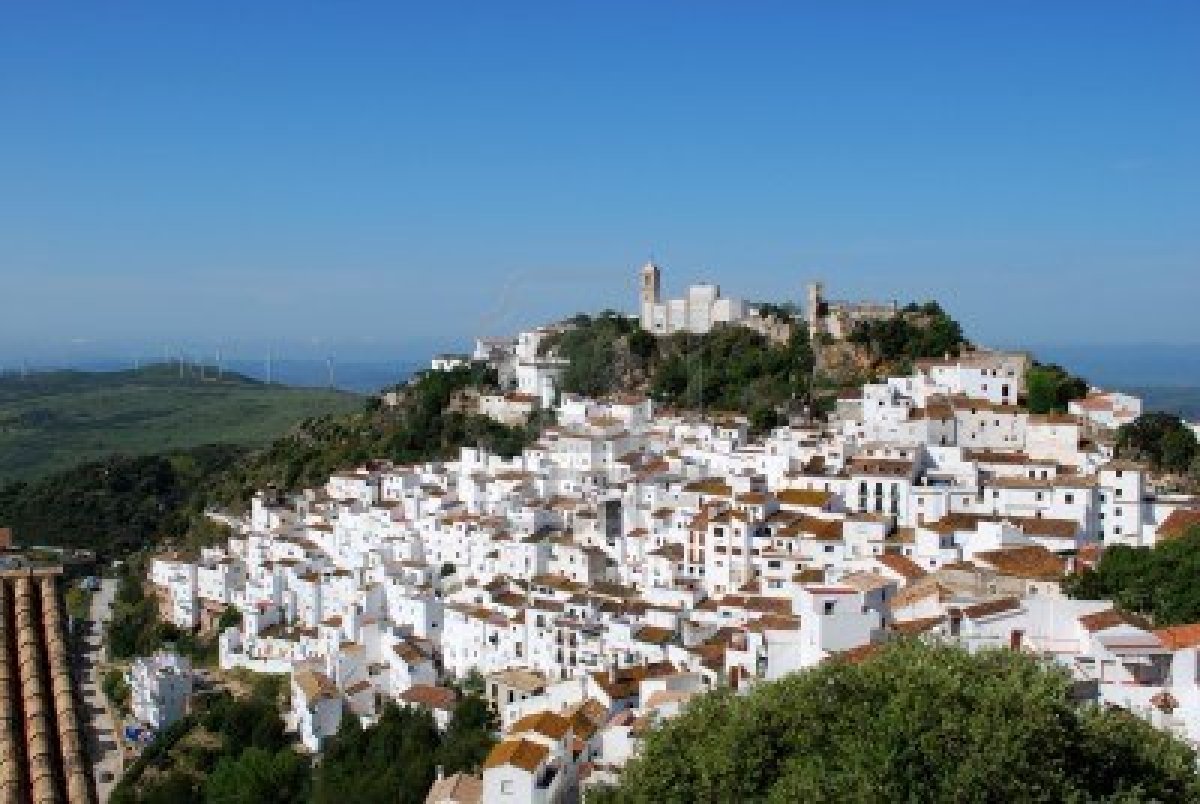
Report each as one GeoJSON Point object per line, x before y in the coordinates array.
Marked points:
{"type": "Point", "coordinates": [1069, 498]}
{"type": "Point", "coordinates": [829, 548]}
{"type": "Point", "coordinates": [829, 605]}
{"type": "Point", "coordinates": [506, 787]}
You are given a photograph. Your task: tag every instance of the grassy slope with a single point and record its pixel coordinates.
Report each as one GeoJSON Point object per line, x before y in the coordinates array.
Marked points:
{"type": "Point", "coordinates": [59, 419]}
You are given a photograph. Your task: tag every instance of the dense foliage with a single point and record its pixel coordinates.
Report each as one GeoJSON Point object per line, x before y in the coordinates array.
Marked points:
{"type": "Point", "coordinates": [1049, 388]}
{"type": "Point", "coordinates": [728, 369]}
{"type": "Point", "coordinates": [396, 759]}
{"type": "Point", "coordinates": [115, 505]}
{"type": "Point", "coordinates": [923, 331]}
{"type": "Point", "coordinates": [911, 723]}
{"type": "Point", "coordinates": [1159, 582]}
{"type": "Point", "coordinates": [1161, 439]}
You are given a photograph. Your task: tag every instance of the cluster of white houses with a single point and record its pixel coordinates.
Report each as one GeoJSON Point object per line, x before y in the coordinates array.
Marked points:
{"type": "Point", "coordinates": [633, 558]}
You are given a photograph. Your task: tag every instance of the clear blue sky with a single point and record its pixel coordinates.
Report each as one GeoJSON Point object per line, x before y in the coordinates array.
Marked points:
{"type": "Point", "coordinates": [395, 174]}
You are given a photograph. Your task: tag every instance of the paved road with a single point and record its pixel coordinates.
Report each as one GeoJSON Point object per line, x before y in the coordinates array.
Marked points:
{"type": "Point", "coordinates": [103, 739]}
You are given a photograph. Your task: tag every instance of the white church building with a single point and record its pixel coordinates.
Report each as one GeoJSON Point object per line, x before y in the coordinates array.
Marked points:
{"type": "Point", "coordinates": [701, 308]}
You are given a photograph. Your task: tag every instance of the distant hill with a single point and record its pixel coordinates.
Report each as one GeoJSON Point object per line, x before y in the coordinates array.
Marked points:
{"type": "Point", "coordinates": [123, 503]}
{"type": "Point", "coordinates": [54, 420]}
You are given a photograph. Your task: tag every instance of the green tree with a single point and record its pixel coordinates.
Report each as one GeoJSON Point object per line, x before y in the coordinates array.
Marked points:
{"type": "Point", "coordinates": [1050, 389]}
{"type": "Point", "coordinates": [392, 762]}
{"type": "Point", "coordinates": [469, 735]}
{"type": "Point", "coordinates": [1158, 582]}
{"type": "Point", "coordinates": [134, 628]}
{"type": "Point", "coordinates": [258, 776]}
{"type": "Point", "coordinates": [116, 689]}
{"type": "Point", "coordinates": [229, 618]}
{"type": "Point", "coordinates": [1162, 439]}
{"type": "Point", "coordinates": [911, 723]}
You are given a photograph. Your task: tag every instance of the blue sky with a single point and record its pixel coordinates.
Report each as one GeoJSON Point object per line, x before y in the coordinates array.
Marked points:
{"type": "Point", "coordinates": [359, 176]}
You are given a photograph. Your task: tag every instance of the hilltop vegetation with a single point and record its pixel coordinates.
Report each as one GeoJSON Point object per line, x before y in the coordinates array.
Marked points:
{"type": "Point", "coordinates": [737, 369]}
{"type": "Point", "coordinates": [910, 723]}
{"type": "Point", "coordinates": [56, 420]}
{"type": "Point", "coordinates": [728, 369]}
{"type": "Point", "coordinates": [919, 331]}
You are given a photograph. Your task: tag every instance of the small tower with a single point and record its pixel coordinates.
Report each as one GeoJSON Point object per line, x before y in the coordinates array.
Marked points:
{"type": "Point", "coordinates": [813, 309]}
{"type": "Point", "coordinates": [649, 293]}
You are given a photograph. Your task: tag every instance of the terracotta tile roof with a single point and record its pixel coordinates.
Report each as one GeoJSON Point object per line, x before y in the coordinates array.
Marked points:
{"type": "Point", "coordinates": [804, 497]}
{"type": "Point", "coordinates": [429, 696]}
{"type": "Point", "coordinates": [524, 754]}
{"type": "Point", "coordinates": [1178, 523]}
{"type": "Point", "coordinates": [545, 723]}
{"type": "Point", "coordinates": [628, 678]}
{"type": "Point", "coordinates": [1033, 562]}
{"type": "Point", "coordinates": [991, 607]}
{"type": "Point", "coordinates": [712, 487]}
{"type": "Point", "coordinates": [654, 635]}
{"type": "Point", "coordinates": [903, 566]}
{"type": "Point", "coordinates": [1179, 636]}
{"type": "Point", "coordinates": [887, 467]}
{"type": "Point", "coordinates": [1111, 618]}
{"type": "Point", "coordinates": [918, 626]}
{"type": "Point", "coordinates": [315, 685]}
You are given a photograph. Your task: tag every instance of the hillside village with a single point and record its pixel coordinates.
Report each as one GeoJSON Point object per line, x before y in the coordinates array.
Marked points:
{"type": "Point", "coordinates": [634, 557]}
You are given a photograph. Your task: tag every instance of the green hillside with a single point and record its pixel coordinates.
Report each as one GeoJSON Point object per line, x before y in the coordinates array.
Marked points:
{"type": "Point", "coordinates": [55, 420]}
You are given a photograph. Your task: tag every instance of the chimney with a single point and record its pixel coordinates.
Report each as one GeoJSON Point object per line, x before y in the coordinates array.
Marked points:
{"type": "Point", "coordinates": [612, 671]}
{"type": "Point", "coordinates": [441, 772]}
{"type": "Point", "coordinates": [735, 677]}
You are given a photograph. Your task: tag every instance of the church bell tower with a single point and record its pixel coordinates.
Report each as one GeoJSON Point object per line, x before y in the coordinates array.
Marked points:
{"type": "Point", "coordinates": [649, 294]}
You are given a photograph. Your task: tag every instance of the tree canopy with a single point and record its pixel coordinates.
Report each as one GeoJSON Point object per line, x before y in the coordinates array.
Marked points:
{"type": "Point", "coordinates": [1050, 388]}
{"type": "Point", "coordinates": [911, 723]}
{"type": "Point", "coordinates": [919, 331]}
{"type": "Point", "coordinates": [1161, 439]}
{"type": "Point", "coordinates": [396, 759]}
{"type": "Point", "coordinates": [730, 368]}
{"type": "Point", "coordinates": [1159, 582]}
